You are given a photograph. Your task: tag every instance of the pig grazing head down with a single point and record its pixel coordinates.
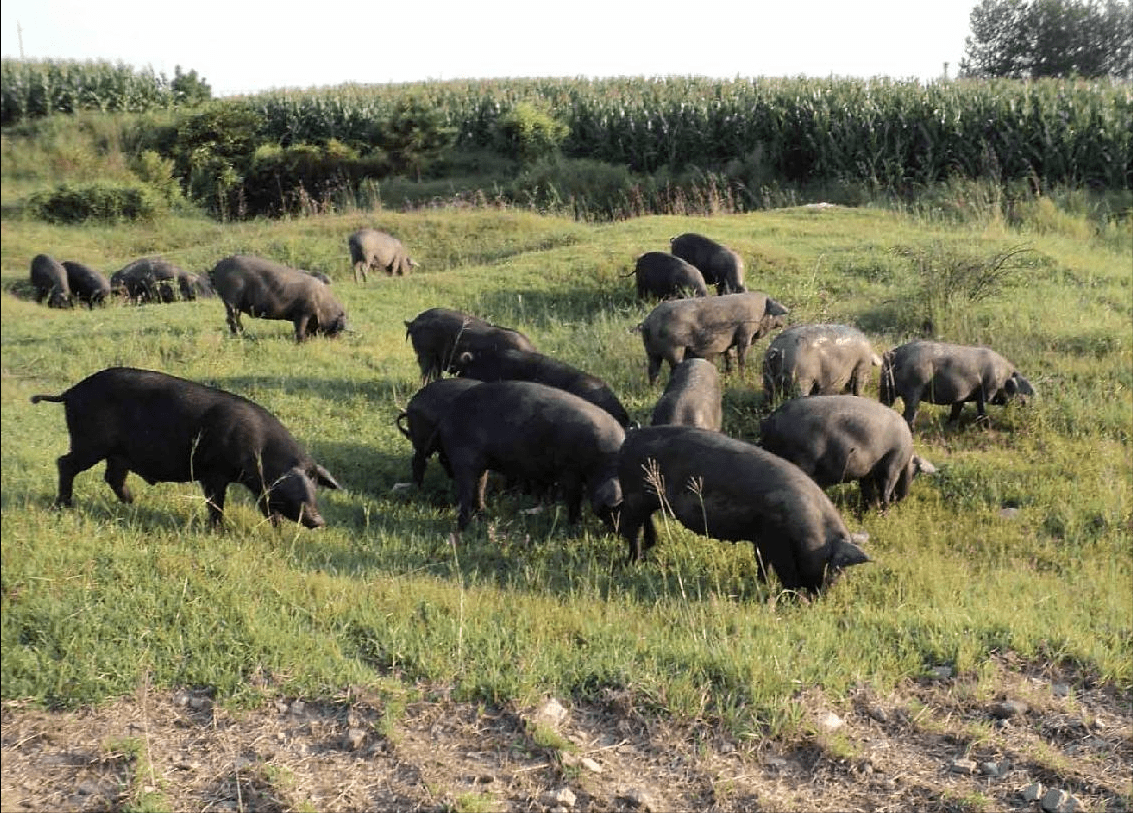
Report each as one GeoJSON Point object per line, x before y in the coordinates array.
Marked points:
{"type": "Point", "coordinates": [170, 430]}
{"type": "Point", "coordinates": [817, 360]}
{"type": "Point", "coordinates": [534, 434]}
{"type": "Point", "coordinates": [950, 374]}
{"type": "Point", "coordinates": [268, 290]}
{"type": "Point", "coordinates": [841, 438]}
{"type": "Point", "coordinates": [728, 489]}
{"type": "Point", "coordinates": [370, 248]}
{"type": "Point", "coordinates": [49, 278]}
{"type": "Point", "coordinates": [440, 335]}
{"type": "Point", "coordinates": [719, 265]}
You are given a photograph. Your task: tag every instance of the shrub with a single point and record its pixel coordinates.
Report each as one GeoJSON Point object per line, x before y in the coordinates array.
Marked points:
{"type": "Point", "coordinates": [157, 172]}
{"type": "Point", "coordinates": [101, 202]}
{"type": "Point", "coordinates": [530, 133]}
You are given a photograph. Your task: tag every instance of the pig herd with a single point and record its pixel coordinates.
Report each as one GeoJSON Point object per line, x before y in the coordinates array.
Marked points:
{"type": "Point", "coordinates": [547, 426]}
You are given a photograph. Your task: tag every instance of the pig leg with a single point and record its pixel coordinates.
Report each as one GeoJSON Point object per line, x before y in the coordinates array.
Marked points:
{"type": "Point", "coordinates": [957, 408]}
{"type": "Point", "coordinates": [116, 471]}
{"type": "Point", "coordinates": [655, 367]}
{"type": "Point", "coordinates": [215, 490]}
{"type": "Point", "coordinates": [912, 400]}
{"type": "Point", "coordinates": [233, 315]}
{"type": "Point", "coordinates": [470, 491]}
{"type": "Point", "coordinates": [69, 466]}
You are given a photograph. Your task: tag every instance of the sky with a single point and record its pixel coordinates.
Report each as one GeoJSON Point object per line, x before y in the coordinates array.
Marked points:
{"type": "Point", "coordinates": [241, 47]}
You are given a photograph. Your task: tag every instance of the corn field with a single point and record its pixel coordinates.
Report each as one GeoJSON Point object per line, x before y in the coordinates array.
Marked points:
{"type": "Point", "coordinates": [895, 134]}
{"type": "Point", "coordinates": [31, 88]}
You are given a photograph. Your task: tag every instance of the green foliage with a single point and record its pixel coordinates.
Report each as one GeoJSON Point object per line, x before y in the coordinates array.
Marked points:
{"type": "Point", "coordinates": [415, 134]}
{"type": "Point", "coordinates": [1029, 39]}
{"type": "Point", "coordinates": [530, 133]}
{"type": "Point", "coordinates": [189, 89]}
{"type": "Point", "coordinates": [158, 173]}
{"type": "Point", "coordinates": [100, 202]}
{"type": "Point", "coordinates": [34, 88]}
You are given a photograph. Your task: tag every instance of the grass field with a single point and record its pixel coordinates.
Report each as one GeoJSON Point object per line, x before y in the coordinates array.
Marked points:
{"type": "Point", "coordinates": [101, 598]}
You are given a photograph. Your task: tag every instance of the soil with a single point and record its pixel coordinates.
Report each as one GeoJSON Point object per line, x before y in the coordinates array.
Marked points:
{"type": "Point", "coordinates": [940, 743]}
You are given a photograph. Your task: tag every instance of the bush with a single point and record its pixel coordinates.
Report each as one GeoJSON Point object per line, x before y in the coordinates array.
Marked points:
{"type": "Point", "coordinates": [157, 172]}
{"type": "Point", "coordinates": [100, 202]}
{"type": "Point", "coordinates": [529, 133]}
{"type": "Point", "coordinates": [283, 180]}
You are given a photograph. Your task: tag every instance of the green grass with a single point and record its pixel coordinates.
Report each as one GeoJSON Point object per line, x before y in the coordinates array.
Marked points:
{"type": "Point", "coordinates": [103, 596]}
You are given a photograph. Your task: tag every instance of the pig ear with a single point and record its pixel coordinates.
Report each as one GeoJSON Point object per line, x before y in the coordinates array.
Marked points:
{"type": "Point", "coordinates": [322, 476]}
{"type": "Point", "coordinates": [846, 553]}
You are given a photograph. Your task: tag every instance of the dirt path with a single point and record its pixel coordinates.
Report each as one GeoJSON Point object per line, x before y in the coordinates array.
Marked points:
{"type": "Point", "coordinates": [933, 745]}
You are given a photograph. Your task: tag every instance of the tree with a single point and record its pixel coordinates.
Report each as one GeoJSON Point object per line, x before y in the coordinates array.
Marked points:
{"type": "Point", "coordinates": [189, 90]}
{"type": "Point", "coordinates": [1034, 38]}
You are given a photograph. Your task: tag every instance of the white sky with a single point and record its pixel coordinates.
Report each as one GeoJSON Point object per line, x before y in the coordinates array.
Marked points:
{"type": "Point", "coordinates": [241, 47]}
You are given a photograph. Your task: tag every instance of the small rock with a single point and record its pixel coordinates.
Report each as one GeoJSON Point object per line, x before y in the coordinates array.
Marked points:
{"type": "Point", "coordinates": [878, 713]}
{"type": "Point", "coordinates": [963, 765]}
{"type": "Point", "coordinates": [297, 707]}
{"type": "Point", "coordinates": [551, 712]}
{"type": "Point", "coordinates": [401, 487]}
{"type": "Point", "coordinates": [1010, 512]}
{"type": "Point", "coordinates": [1058, 801]}
{"type": "Point", "coordinates": [830, 721]}
{"type": "Point", "coordinates": [1032, 792]}
{"type": "Point", "coordinates": [859, 537]}
{"type": "Point", "coordinates": [485, 779]}
{"type": "Point", "coordinates": [562, 797]}
{"type": "Point", "coordinates": [989, 768]}
{"type": "Point", "coordinates": [1060, 689]}
{"type": "Point", "coordinates": [590, 765]}
{"type": "Point", "coordinates": [181, 699]}
{"type": "Point", "coordinates": [354, 738]}
{"type": "Point", "coordinates": [776, 762]}
{"type": "Point", "coordinates": [530, 511]}
{"type": "Point", "coordinates": [88, 788]}
{"type": "Point", "coordinates": [941, 672]}
{"type": "Point", "coordinates": [1008, 708]}
{"type": "Point", "coordinates": [200, 704]}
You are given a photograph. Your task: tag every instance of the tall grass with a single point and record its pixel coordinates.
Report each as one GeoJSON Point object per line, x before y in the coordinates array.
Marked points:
{"type": "Point", "coordinates": [102, 596]}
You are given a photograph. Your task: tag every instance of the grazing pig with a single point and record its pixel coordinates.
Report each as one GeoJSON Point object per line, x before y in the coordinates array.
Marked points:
{"type": "Point", "coordinates": [439, 335]}
{"type": "Point", "coordinates": [169, 430]}
{"type": "Point", "coordinates": [692, 397]}
{"type": "Point", "coordinates": [719, 265]}
{"type": "Point", "coordinates": [193, 286]}
{"type": "Point", "coordinates": [535, 434]}
{"type": "Point", "coordinates": [422, 417]}
{"type": "Point", "coordinates": [87, 285]}
{"type": "Point", "coordinates": [839, 438]}
{"type": "Point", "coordinates": [49, 278]}
{"type": "Point", "coordinates": [665, 276]}
{"type": "Point", "coordinates": [706, 327]}
{"type": "Point", "coordinates": [728, 489]}
{"type": "Point", "coordinates": [527, 365]}
{"type": "Point", "coordinates": [268, 290]}
{"type": "Point", "coordinates": [817, 360]}
{"type": "Point", "coordinates": [370, 248]}
{"type": "Point", "coordinates": [949, 374]}
{"type": "Point", "coordinates": [150, 279]}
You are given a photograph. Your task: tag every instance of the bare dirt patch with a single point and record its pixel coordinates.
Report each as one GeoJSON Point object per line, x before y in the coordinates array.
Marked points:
{"type": "Point", "coordinates": [938, 744]}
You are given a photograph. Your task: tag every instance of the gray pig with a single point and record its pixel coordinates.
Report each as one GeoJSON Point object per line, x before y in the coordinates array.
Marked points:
{"type": "Point", "coordinates": [87, 285]}
{"type": "Point", "coordinates": [692, 397]}
{"type": "Point", "coordinates": [422, 419]}
{"type": "Point", "coordinates": [706, 327]}
{"type": "Point", "coordinates": [49, 278]}
{"type": "Point", "coordinates": [535, 434]}
{"type": "Point", "coordinates": [949, 374]}
{"type": "Point", "coordinates": [666, 276]}
{"type": "Point", "coordinates": [719, 265]}
{"type": "Point", "coordinates": [268, 290]}
{"type": "Point", "coordinates": [817, 360]}
{"type": "Point", "coordinates": [728, 489]}
{"type": "Point", "coordinates": [840, 438]}
{"type": "Point", "coordinates": [440, 335]}
{"type": "Point", "coordinates": [370, 248]}
{"type": "Point", "coordinates": [170, 430]}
